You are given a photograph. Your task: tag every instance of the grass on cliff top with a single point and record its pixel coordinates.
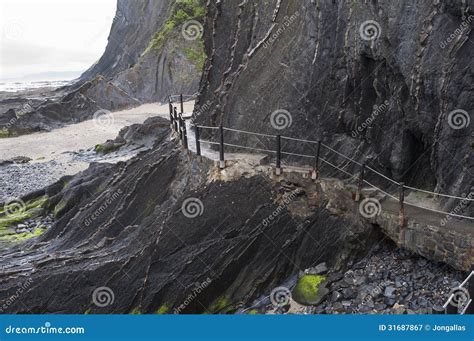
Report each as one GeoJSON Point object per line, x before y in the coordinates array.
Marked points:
{"type": "Point", "coordinates": [183, 11]}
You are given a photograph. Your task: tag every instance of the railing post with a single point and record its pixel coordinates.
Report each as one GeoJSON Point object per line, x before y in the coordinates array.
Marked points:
{"type": "Point", "coordinates": [176, 121]}
{"type": "Point", "coordinates": [315, 174]}
{"type": "Point", "coordinates": [181, 102]}
{"type": "Point", "coordinates": [278, 155]}
{"type": "Point", "coordinates": [221, 148]}
{"type": "Point", "coordinates": [171, 113]}
{"type": "Point", "coordinates": [181, 130]}
{"type": "Point", "coordinates": [185, 134]}
{"type": "Point", "coordinates": [470, 288]}
{"type": "Point", "coordinates": [198, 143]}
{"type": "Point", "coordinates": [402, 208]}
{"type": "Point", "coordinates": [361, 182]}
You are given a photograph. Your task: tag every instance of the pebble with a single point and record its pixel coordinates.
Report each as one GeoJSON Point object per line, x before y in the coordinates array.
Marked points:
{"type": "Point", "coordinates": [389, 281]}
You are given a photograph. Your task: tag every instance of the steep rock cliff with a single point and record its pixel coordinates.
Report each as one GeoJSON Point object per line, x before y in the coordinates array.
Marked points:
{"type": "Point", "coordinates": [148, 71]}
{"type": "Point", "coordinates": [377, 80]}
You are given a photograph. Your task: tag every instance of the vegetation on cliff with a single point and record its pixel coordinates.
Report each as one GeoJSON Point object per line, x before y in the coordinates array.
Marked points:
{"type": "Point", "coordinates": [182, 12]}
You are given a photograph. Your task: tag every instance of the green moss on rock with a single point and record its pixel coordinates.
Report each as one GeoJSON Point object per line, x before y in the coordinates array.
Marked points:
{"type": "Point", "coordinates": [107, 147]}
{"type": "Point", "coordinates": [58, 208]}
{"type": "Point", "coordinates": [220, 306]}
{"type": "Point", "coordinates": [310, 289]}
{"type": "Point", "coordinates": [31, 209]}
{"type": "Point", "coordinates": [164, 309]}
{"type": "Point", "coordinates": [136, 311]}
{"type": "Point", "coordinates": [4, 133]}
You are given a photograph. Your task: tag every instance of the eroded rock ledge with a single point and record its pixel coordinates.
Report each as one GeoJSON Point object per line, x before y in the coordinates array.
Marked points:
{"type": "Point", "coordinates": [126, 227]}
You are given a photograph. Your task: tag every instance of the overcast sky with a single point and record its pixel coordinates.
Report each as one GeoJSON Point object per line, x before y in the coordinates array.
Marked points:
{"type": "Point", "coordinates": [40, 36]}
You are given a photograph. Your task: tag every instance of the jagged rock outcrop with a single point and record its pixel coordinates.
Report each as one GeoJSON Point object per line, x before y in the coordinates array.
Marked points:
{"type": "Point", "coordinates": [128, 227]}
{"type": "Point", "coordinates": [380, 92]}
{"type": "Point", "coordinates": [151, 74]}
{"type": "Point", "coordinates": [77, 105]}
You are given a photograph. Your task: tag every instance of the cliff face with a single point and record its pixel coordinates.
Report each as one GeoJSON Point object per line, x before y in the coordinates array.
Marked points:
{"type": "Point", "coordinates": [375, 79]}
{"type": "Point", "coordinates": [147, 72]}
{"type": "Point", "coordinates": [157, 226]}
{"type": "Point", "coordinates": [149, 55]}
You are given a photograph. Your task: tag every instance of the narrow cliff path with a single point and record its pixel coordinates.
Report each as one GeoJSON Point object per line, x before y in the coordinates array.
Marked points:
{"type": "Point", "coordinates": [435, 235]}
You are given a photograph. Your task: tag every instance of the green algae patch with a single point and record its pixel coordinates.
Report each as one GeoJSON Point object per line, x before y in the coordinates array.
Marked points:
{"type": "Point", "coordinates": [310, 289]}
{"type": "Point", "coordinates": [135, 311]}
{"type": "Point", "coordinates": [220, 306]}
{"type": "Point", "coordinates": [15, 213]}
{"type": "Point", "coordinates": [58, 208]}
{"type": "Point", "coordinates": [164, 309]}
{"type": "Point", "coordinates": [4, 134]}
{"type": "Point", "coordinates": [10, 236]}
{"type": "Point", "coordinates": [18, 212]}
{"type": "Point", "coordinates": [107, 148]}
{"type": "Point", "coordinates": [252, 312]}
